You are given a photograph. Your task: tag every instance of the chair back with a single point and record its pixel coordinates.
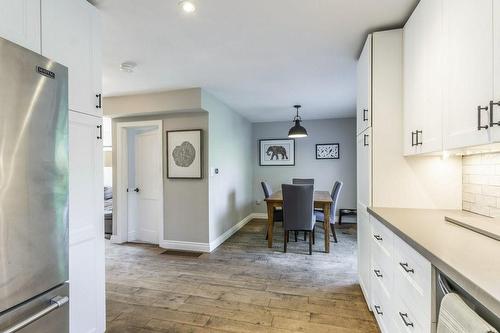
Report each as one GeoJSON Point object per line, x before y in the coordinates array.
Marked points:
{"type": "Point", "coordinates": [298, 207]}
{"type": "Point", "coordinates": [337, 188]}
{"type": "Point", "coordinates": [303, 181]}
{"type": "Point", "coordinates": [267, 189]}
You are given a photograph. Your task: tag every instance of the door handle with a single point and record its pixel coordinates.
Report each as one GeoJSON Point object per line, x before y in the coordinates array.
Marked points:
{"type": "Point", "coordinates": [136, 190]}
{"type": "Point", "coordinates": [479, 109]}
{"type": "Point", "coordinates": [404, 317]}
{"type": "Point", "coordinates": [99, 101]}
{"type": "Point", "coordinates": [365, 112]}
{"type": "Point", "coordinates": [417, 132]}
{"type": "Point", "coordinates": [406, 267]}
{"type": "Point", "coordinates": [99, 136]}
{"type": "Point", "coordinates": [492, 122]}
{"type": "Point", "coordinates": [365, 142]}
{"type": "Point", "coordinates": [54, 304]}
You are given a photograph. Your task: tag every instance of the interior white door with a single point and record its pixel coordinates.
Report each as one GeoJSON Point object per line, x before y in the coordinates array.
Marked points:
{"type": "Point", "coordinates": [86, 225]}
{"type": "Point", "coordinates": [20, 22]}
{"type": "Point", "coordinates": [495, 131]}
{"type": "Point", "coordinates": [69, 31]}
{"type": "Point", "coordinates": [148, 183]}
{"type": "Point", "coordinates": [364, 83]}
{"type": "Point", "coordinates": [422, 65]}
{"type": "Point", "coordinates": [468, 36]}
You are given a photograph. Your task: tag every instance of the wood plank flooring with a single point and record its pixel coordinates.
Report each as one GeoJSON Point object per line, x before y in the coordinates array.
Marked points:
{"type": "Point", "coordinates": [241, 287]}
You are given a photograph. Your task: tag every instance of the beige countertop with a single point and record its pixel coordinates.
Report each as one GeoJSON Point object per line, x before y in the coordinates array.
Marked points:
{"type": "Point", "coordinates": [470, 259]}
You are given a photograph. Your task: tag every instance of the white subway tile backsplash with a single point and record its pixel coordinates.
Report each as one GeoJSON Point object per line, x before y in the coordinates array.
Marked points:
{"type": "Point", "coordinates": [481, 184]}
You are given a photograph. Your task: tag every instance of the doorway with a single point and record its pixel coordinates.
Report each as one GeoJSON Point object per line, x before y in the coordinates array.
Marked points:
{"type": "Point", "coordinates": [139, 182]}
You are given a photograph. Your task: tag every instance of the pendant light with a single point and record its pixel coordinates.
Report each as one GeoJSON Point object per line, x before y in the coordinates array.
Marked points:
{"type": "Point", "coordinates": [297, 131]}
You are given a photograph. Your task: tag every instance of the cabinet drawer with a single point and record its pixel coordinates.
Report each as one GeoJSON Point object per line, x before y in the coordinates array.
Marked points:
{"type": "Point", "coordinates": [406, 318]}
{"type": "Point", "coordinates": [382, 236]}
{"type": "Point", "coordinates": [382, 277]}
{"type": "Point", "coordinates": [382, 311]}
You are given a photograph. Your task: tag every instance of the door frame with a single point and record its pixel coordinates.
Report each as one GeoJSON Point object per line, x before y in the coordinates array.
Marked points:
{"type": "Point", "coordinates": [121, 208]}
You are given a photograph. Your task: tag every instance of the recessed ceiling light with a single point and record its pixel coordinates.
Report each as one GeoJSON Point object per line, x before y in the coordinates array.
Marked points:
{"type": "Point", "coordinates": [187, 6]}
{"type": "Point", "coordinates": [128, 66]}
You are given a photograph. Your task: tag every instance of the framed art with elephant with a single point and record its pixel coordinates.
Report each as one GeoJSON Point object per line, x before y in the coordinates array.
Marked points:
{"type": "Point", "coordinates": [277, 152]}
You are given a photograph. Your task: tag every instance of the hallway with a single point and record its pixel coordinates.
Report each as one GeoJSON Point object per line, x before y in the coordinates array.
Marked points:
{"type": "Point", "coordinates": [241, 287]}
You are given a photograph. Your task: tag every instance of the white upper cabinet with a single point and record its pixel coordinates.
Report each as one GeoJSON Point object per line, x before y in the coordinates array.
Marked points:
{"type": "Point", "coordinates": [70, 36]}
{"type": "Point", "coordinates": [364, 82]}
{"type": "Point", "coordinates": [468, 43]}
{"type": "Point", "coordinates": [422, 66]}
{"type": "Point", "coordinates": [495, 103]}
{"type": "Point", "coordinates": [20, 22]}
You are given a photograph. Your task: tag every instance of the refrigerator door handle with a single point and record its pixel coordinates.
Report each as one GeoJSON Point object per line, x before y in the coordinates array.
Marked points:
{"type": "Point", "coordinates": [55, 303]}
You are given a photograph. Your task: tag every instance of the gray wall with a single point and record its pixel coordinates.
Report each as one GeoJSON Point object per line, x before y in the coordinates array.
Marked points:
{"type": "Point", "coordinates": [186, 200]}
{"type": "Point", "coordinates": [230, 137]}
{"type": "Point", "coordinates": [325, 172]}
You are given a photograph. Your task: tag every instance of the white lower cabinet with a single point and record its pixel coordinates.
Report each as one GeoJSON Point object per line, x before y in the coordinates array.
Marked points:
{"type": "Point", "coordinates": [86, 225]}
{"type": "Point", "coordinates": [401, 283]}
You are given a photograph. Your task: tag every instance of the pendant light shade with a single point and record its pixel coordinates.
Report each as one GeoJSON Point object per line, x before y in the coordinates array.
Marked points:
{"type": "Point", "coordinates": [297, 131]}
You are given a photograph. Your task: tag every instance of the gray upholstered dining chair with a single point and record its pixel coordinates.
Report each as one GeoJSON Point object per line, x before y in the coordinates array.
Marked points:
{"type": "Point", "coordinates": [278, 212]}
{"type": "Point", "coordinates": [298, 212]}
{"type": "Point", "coordinates": [303, 181]}
{"type": "Point", "coordinates": [320, 216]}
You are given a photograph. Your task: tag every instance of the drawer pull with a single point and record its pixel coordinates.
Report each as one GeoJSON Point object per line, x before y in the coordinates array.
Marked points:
{"type": "Point", "coordinates": [406, 268]}
{"type": "Point", "coordinates": [377, 310]}
{"type": "Point", "coordinates": [404, 318]}
{"type": "Point", "coordinates": [377, 273]}
{"type": "Point", "coordinates": [378, 237]}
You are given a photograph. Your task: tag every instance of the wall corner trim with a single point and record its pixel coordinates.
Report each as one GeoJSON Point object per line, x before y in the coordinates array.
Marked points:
{"type": "Point", "coordinates": [115, 239]}
{"type": "Point", "coordinates": [185, 246]}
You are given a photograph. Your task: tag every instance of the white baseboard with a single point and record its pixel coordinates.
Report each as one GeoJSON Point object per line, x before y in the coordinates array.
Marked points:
{"type": "Point", "coordinates": [222, 238]}
{"type": "Point", "coordinates": [260, 216]}
{"type": "Point", "coordinates": [115, 239]}
{"type": "Point", "coordinates": [185, 246]}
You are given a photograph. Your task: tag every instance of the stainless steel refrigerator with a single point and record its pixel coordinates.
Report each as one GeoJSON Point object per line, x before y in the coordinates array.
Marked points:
{"type": "Point", "coordinates": [34, 294]}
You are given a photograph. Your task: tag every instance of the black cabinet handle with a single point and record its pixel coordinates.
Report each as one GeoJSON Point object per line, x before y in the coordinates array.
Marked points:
{"type": "Point", "coordinates": [377, 310]}
{"type": "Point", "coordinates": [406, 267]}
{"type": "Point", "coordinates": [99, 136]}
{"type": "Point", "coordinates": [136, 190]}
{"type": "Point", "coordinates": [99, 101]}
{"type": "Point", "coordinates": [492, 122]}
{"type": "Point", "coordinates": [417, 132]}
{"type": "Point", "coordinates": [365, 113]}
{"type": "Point", "coordinates": [365, 142]}
{"type": "Point", "coordinates": [377, 273]}
{"type": "Point", "coordinates": [404, 317]}
{"type": "Point", "coordinates": [479, 109]}
{"type": "Point", "coordinates": [413, 139]}
{"type": "Point", "coordinates": [378, 237]}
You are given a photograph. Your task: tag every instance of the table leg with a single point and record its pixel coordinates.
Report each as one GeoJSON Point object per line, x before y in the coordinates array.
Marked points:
{"type": "Point", "coordinates": [270, 222]}
{"type": "Point", "coordinates": [326, 226]}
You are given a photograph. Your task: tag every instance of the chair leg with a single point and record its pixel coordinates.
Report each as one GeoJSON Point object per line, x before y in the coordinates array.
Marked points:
{"type": "Point", "coordinates": [310, 243]}
{"type": "Point", "coordinates": [314, 235]}
{"type": "Point", "coordinates": [287, 235]}
{"type": "Point", "coordinates": [305, 233]}
{"type": "Point", "coordinates": [334, 234]}
{"type": "Point", "coordinates": [285, 241]}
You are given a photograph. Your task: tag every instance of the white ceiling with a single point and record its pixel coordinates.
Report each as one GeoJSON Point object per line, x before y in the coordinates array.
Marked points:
{"type": "Point", "coordinates": [258, 56]}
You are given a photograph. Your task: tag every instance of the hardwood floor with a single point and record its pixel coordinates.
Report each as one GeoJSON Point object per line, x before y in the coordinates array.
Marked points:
{"type": "Point", "coordinates": [241, 287]}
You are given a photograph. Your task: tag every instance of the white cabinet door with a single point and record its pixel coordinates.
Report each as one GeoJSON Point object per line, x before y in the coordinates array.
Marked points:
{"type": "Point", "coordinates": [20, 22]}
{"type": "Point", "coordinates": [364, 83]}
{"type": "Point", "coordinates": [363, 201]}
{"type": "Point", "coordinates": [468, 35]}
{"type": "Point", "coordinates": [422, 65]}
{"type": "Point", "coordinates": [495, 131]}
{"type": "Point", "coordinates": [69, 28]}
{"type": "Point", "coordinates": [86, 226]}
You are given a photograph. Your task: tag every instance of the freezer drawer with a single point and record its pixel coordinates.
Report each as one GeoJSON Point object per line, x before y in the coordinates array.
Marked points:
{"type": "Point", "coordinates": [33, 175]}
{"type": "Point", "coordinates": [52, 317]}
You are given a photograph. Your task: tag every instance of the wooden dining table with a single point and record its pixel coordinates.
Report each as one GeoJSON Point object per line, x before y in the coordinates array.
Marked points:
{"type": "Point", "coordinates": [322, 199]}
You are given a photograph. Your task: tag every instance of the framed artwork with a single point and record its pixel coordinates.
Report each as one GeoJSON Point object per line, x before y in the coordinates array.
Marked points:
{"type": "Point", "coordinates": [327, 151]}
{"type": "Point", "coordinates": [184, 154]}
{"type": "Point", "coordinates": [277, 152]}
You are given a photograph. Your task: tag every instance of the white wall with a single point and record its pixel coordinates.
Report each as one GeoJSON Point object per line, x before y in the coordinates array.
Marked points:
{"type": "Point", "coordinates": [324, 172]}
{"type": "Point", "coordinates": [230, 147]}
